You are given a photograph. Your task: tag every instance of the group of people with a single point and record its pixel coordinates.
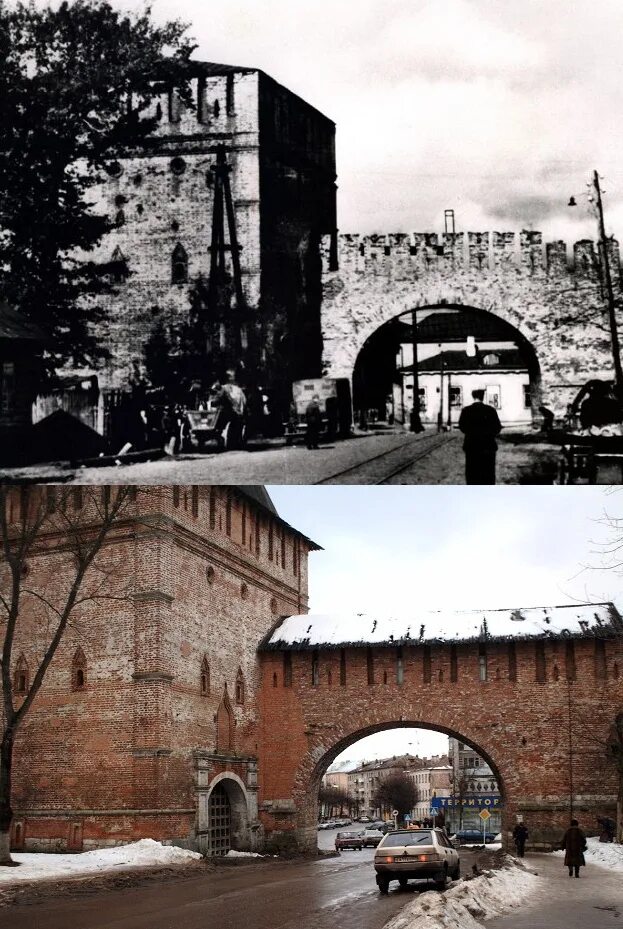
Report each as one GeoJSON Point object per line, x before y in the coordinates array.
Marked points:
{"type": "Point", "coordinates": [574, 842]}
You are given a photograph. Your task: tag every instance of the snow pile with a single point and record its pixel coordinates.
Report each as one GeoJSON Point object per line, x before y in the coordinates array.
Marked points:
{"type": "Point", "coordinates": [467, 903]}
{"type": "Point", "coordinates": [41, 865]}
{"type": "Point", "coordinates": [606, 854]}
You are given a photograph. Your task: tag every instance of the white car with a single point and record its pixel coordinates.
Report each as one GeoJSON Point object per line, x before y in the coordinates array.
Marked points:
{"type": "Point", "coordinates": [418, 854]}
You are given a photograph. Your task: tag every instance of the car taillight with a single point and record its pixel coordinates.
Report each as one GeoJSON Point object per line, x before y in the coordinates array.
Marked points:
{"type": "Point", "coordinates": [388, 859]}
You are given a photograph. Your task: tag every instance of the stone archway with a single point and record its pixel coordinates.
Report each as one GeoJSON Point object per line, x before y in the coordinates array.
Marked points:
{"type": "Point", "coordinates": [223, 816]}
{"type": "Point", "coordinates": [539, 729]}
{"type": "Point", "coordinates": [376, 372]}
{"type": "Point", "coordinates": [556, 305]}
{"type": "Point", "coordinates": [345, 743]}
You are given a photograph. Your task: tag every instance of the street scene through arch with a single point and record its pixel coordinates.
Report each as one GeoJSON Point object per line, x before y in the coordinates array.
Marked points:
{"type": "Point", "coordinates": [444, 353]}
{"type": "Point", "coordinates": [408, 777]}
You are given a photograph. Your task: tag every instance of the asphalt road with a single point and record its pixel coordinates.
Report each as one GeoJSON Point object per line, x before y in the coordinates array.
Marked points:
{"type": "Point", "coordinates": [309, 894]}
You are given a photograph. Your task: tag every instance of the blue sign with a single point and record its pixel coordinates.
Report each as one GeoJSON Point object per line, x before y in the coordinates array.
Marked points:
{"type": "Point", "coordinates": [482, 802]}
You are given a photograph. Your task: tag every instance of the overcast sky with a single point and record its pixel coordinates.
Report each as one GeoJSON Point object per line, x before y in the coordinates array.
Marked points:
{"type": "Point", "coordinates": [499, 110]}
{"type": "Point", "coordinates": [405, 549]}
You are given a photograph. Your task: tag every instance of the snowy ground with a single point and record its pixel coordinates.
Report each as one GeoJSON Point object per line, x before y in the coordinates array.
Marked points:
{"type": "Point", "coordinates": [39, 865]}
{"type": "Point", "coordinates": [606, 854]}
{"type": "Point", "coordinates": [467, 903]}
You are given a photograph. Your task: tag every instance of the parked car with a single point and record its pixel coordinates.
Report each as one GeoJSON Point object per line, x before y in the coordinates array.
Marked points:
{"type": "Point", "coordinates": [417, 854]}
{"type": "Point", "coordinates": [371, 837]}
{"type": "Point", "coordinates": [472, 837]}
{"type": "Point", "coordinates": [381, 825]}
{"type": "Point", "coordinates": [348, 840]}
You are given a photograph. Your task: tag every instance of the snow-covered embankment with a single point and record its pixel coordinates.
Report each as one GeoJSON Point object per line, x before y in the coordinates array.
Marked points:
{"type": "Point", "coordinates": [467, 903]}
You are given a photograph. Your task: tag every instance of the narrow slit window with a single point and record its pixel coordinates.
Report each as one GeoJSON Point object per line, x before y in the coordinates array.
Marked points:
{"type": "Point", "coordinates": [427, 665]}
{"type": "Point", "coordinates": [482, 662]}
{"type": "Point", "coordinates": [287, 669]}
{"type": "Point", "coordinates": [539, 661]}
{"type": "Point", "coordinates": [400, 667]}
{"type": "Point", "coordinates": [342, 667]}
{"type": "Point", "coordinates": [205, 677]}
{"type": "Point", "coordinates": [600, 658]}
{"type": "Point", "coordinates": [239, 687]}
{"type": "Point", "coordinates": [315, 669]}
{"type": "Point", "coordinates": [454, 666]}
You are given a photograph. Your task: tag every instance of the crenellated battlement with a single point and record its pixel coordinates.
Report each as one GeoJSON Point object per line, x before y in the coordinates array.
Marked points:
{"type": "Point", "coordinates": [480, 251]}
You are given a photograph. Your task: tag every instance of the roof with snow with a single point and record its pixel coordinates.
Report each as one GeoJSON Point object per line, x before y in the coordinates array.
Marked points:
{"type": "Point", "coordinates": [587, 620]}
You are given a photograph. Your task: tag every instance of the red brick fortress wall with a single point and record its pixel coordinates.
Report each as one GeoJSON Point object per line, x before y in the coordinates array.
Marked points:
{"type": "Point", "coordinates": [544, 739]}
{"type": "Point", "coordinates": [197, 576]}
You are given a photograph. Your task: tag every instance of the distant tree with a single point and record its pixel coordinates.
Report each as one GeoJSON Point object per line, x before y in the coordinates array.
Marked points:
{"type": "Point", "coordinates": [76, 80]}
{"type": "Point", "coordinates": [334, 801]}
{"type": "Point", "coordinates": [30, 519]}
{"type": "Point", "coordinates": [396, 792]}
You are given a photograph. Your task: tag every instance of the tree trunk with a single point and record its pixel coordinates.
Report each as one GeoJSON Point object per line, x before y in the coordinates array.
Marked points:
{"type": "Point", "coordinates": [6, 813]}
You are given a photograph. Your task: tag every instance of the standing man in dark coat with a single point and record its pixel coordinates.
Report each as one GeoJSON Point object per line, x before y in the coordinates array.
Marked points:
{"type": "Point", "coordinates": [313, 418]}
{"type": "Point", "coordinates": [574, 845]}
{"type": "Point", "coordinates": [520, 834]}
{"type": "Point", "coordinates": [480, 424]}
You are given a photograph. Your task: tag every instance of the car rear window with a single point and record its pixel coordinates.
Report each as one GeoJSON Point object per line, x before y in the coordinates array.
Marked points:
{"type": "Point", "coordinates": [393, 840]}
{"type": "Point", "coordinates": [346, 835]}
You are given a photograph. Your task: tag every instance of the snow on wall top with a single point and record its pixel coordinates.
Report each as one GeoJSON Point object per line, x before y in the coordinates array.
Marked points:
{"type": "Point", "coordinates": [330, 631]}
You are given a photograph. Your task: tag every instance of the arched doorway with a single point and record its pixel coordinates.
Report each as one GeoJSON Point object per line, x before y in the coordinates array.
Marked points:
{"type": "Point", "coordinates": [223, 817]}
{"type": "Point", "coordinates": [456, 349]}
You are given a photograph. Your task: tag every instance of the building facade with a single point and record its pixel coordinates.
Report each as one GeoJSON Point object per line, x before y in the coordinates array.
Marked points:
{"type": "Point", "coordinates": [474, 788]}
{"type": "Point", "coordinates": [243, 267]}
{"type": "Point", "coordinates": [147, 723]}
{"type": "Point", "coordinates": [432, 781]}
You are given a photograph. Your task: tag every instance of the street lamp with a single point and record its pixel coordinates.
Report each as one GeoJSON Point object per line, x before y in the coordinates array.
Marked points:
{"type": "Point", "coordinates": [614, 334]}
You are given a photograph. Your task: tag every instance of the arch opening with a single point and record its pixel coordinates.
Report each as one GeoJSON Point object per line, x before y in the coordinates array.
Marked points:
{"type": "Point", "coordinates": [453, 779]}
{"type": "Point", "coordinates": [223, 822]}
{"type": "Point", "coordinates": [458, 349]}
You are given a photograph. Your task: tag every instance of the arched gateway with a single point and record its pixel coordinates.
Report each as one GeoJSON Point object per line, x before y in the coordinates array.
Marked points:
{"type": "Point", "coordinates": [555, 305]}
{"type": "Point", "coordinates": [534, 691]}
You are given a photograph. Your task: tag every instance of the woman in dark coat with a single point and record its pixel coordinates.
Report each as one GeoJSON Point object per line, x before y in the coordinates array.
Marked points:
{"type": "Point", "coordinates": [574, 845]}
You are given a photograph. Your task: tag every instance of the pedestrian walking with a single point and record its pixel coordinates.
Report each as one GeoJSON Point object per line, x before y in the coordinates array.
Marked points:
{"type": "Point", "coordinates": [574, 846]}
{"type": "Point", "coordinates": [170, 430]}
{"type": "Point", "coordinates": [520, 834]}
{"type": "Point", "coordinates": [313, 418]}
{"type": "Point", "coordinates": [480, 424]}
{"type": "Point", "coordinates": [238, 411]}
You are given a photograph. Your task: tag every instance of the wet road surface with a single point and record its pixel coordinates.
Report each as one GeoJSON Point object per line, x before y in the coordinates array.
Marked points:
{"type": "Point", "coordinates": [310, 894]}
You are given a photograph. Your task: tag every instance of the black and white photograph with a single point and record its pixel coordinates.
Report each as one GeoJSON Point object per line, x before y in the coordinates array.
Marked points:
{"type": "Point", "coordinates": [275, 243]}
{"type": "Point", "coordinates": [278, 280]}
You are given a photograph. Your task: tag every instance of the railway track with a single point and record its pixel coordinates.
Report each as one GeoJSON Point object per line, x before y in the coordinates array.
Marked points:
{"type": "Point", "coordinates": [376, 462]}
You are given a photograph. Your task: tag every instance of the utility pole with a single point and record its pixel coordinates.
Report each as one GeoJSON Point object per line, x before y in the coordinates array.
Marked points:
{"type": "Point", "coordinates": [440, 414]}
{"type": "Point", "coordinates": [416, 420]}
{"type": "Point", "coordinates": [614, 335]}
